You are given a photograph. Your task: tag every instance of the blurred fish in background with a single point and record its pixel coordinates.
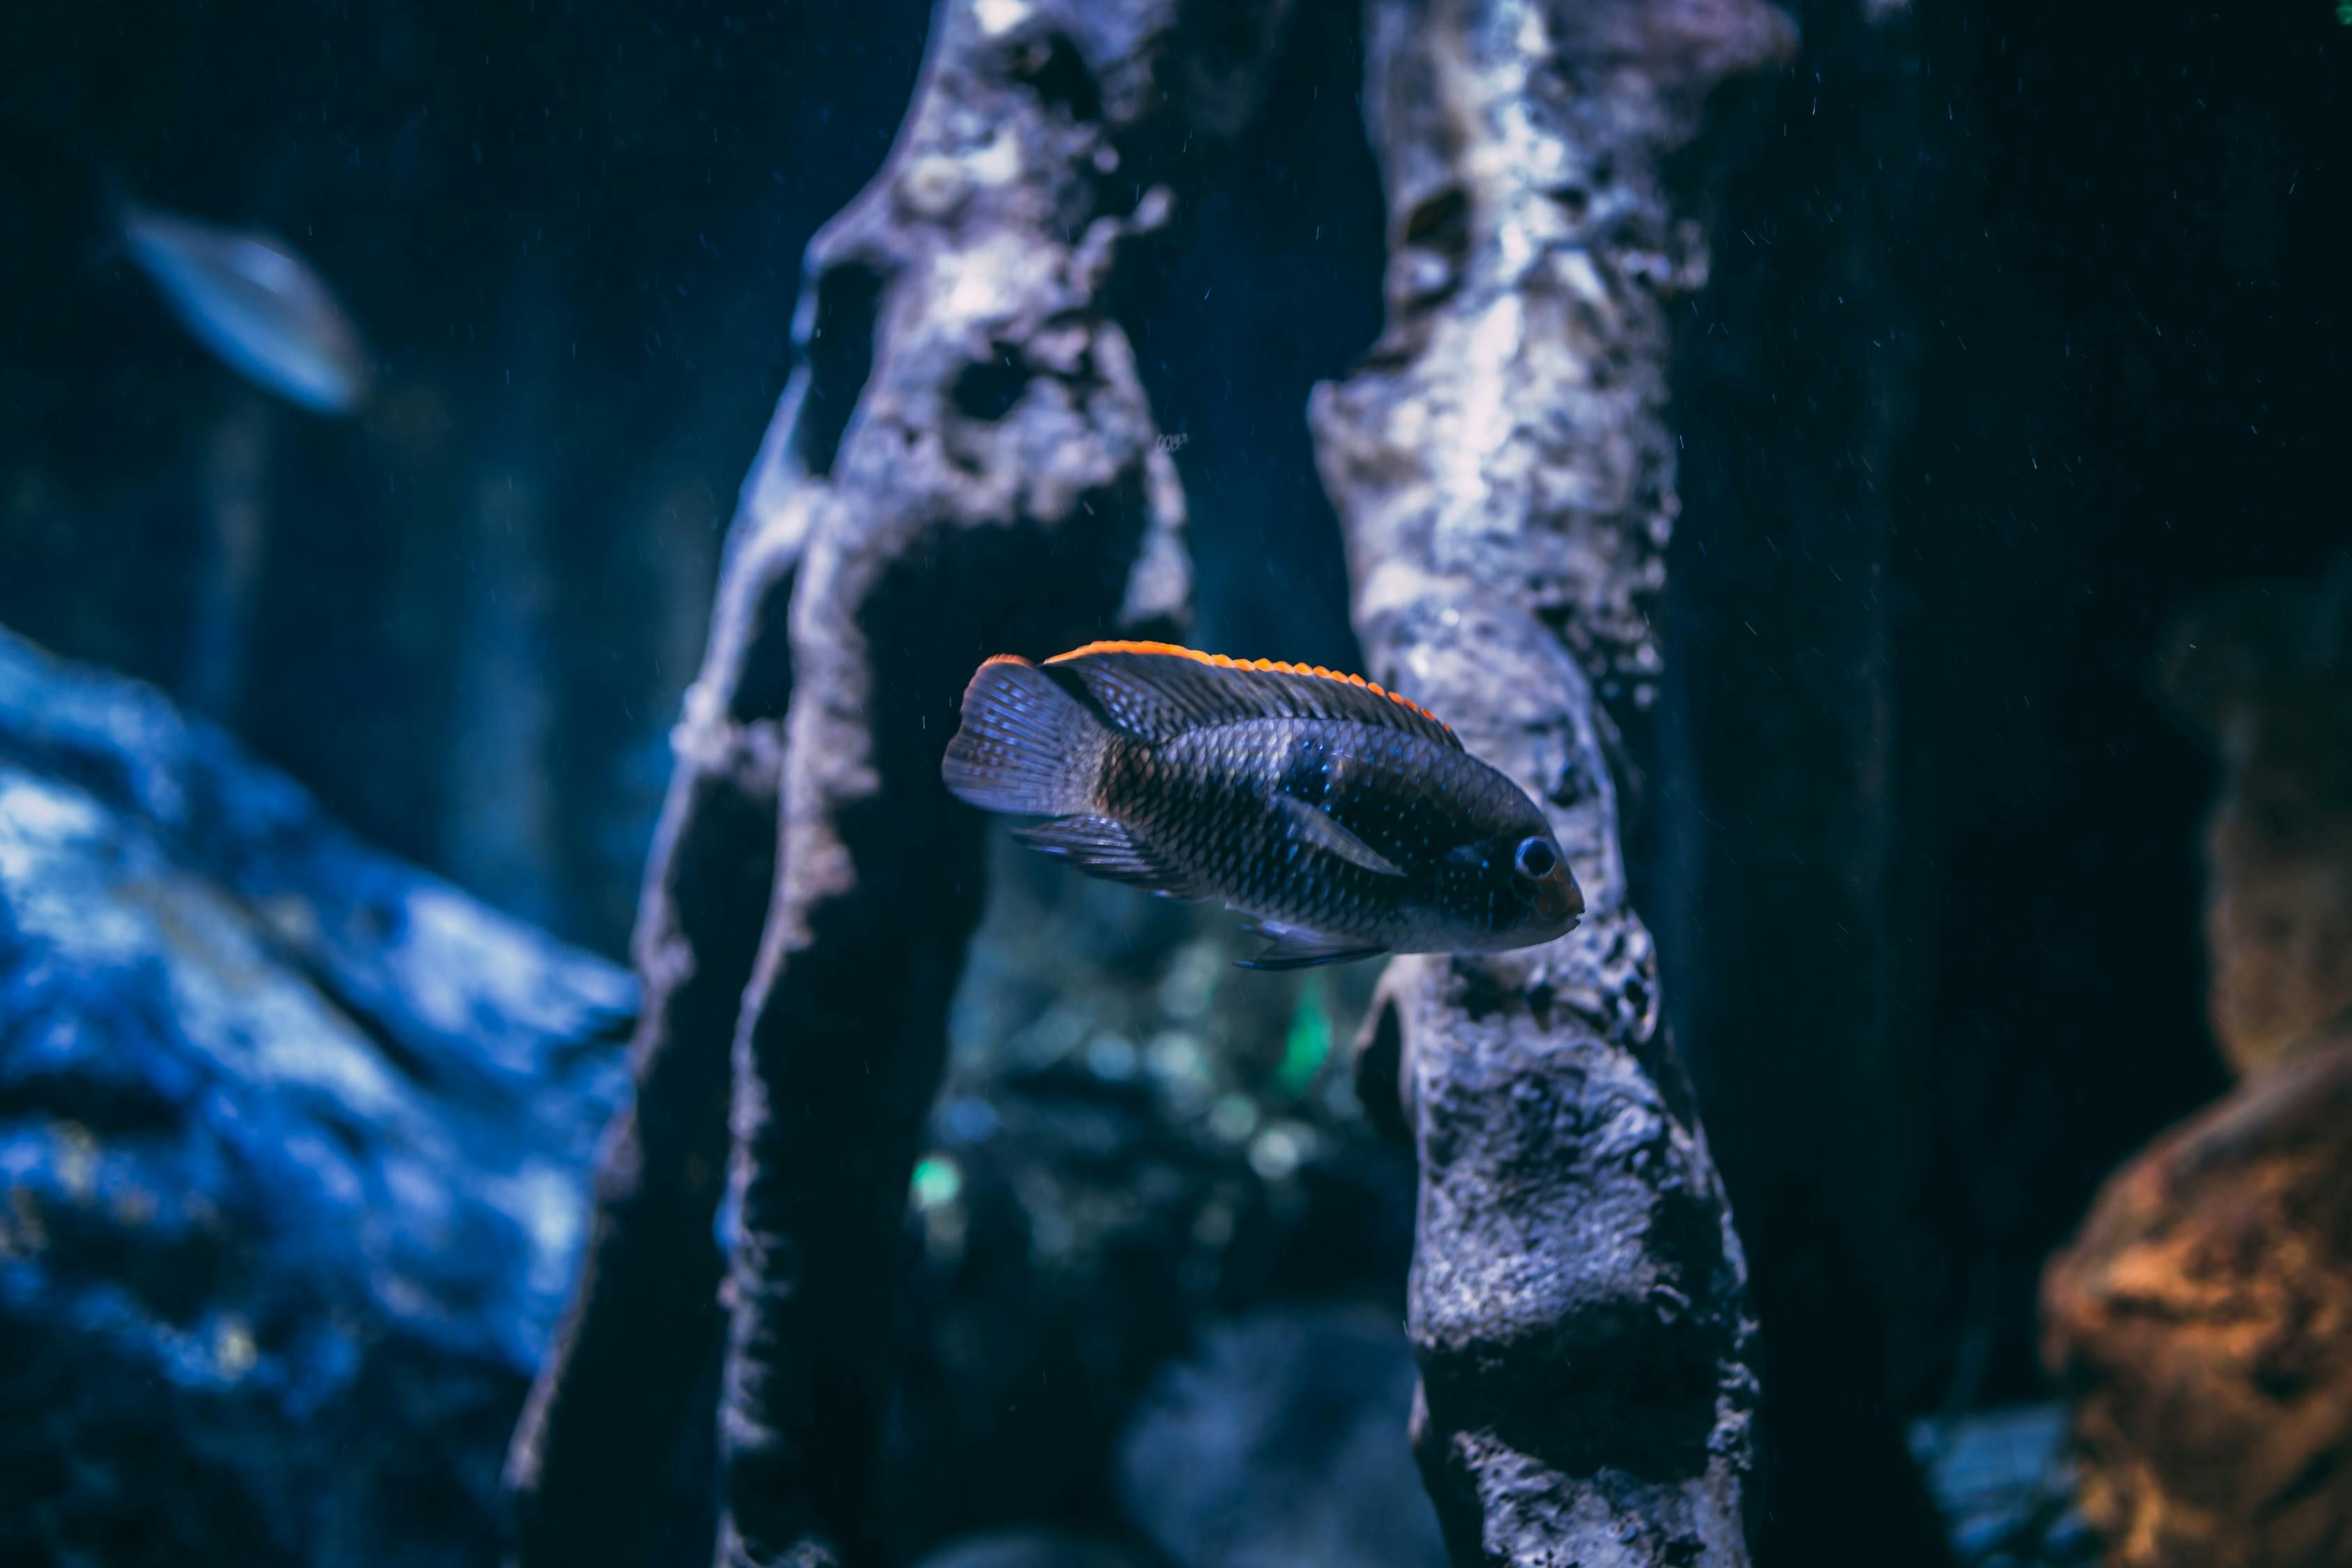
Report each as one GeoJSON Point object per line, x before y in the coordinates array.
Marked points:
{"type": "Point", "coordinates": [247, 297]}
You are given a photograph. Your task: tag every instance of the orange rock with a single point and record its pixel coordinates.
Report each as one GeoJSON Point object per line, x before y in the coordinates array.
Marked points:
{"type": "Point", "coordinates": [2263, 674]}
{"type": "Point", "coordinates": [2202, 1322]}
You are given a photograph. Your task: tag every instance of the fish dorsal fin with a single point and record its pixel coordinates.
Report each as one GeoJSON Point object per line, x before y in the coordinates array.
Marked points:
{"type": "Point", "coordinates": [1158, 690]}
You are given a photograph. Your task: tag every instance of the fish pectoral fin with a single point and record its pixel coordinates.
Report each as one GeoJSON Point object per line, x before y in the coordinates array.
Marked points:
{"type": "Point", "coordinates": [1103, 846]}
{"type": "Point", "coordinates": [1297, 947]}
{"type": "Point", "coordinates": [1312, 825]}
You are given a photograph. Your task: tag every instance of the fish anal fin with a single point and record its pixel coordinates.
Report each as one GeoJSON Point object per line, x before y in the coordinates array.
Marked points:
{"type": "Point", "coordinates": [1102, 847]}
{"type": "Point", "coordinates": [1269, 963]}
{"type": "Point", "coordinates": [1299, 947]}
{"type": "Point", "coordinates": [1312, 825]}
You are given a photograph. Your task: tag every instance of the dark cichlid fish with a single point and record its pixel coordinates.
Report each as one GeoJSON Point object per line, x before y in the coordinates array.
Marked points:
{"type": "Point", "coordinates": [1345, 820]}
{"type": "Point", "coordinates": [251, 301]}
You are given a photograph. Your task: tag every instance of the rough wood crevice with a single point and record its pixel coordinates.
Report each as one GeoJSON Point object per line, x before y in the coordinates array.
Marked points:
{"type": "Point", "coordinates": [1504, 477]}
{"type": "Point", "coordinates": [588, 1465]}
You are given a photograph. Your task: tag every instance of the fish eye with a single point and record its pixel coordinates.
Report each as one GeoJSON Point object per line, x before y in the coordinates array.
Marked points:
{"type": "Point", "coordinates": [1536, 859]}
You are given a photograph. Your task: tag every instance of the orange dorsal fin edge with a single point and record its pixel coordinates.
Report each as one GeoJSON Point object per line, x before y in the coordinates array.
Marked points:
{"type": "Point", "coordinates": [1266, 666]}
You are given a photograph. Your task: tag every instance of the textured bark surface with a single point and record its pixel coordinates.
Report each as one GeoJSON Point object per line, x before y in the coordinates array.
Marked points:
{"type": "Point", "coordinates": [2264, 674]}
{"type": "Point", "coordinates": [2202, 1323]}
{"type": "Point", "coordinates": [1504, 477]}
{"type": "Point", "coordinates": [591, 1460]}
{"type": "Point", "coordinates": [963, 464]}
{"type": "Point", "coordinates": [997, 488]}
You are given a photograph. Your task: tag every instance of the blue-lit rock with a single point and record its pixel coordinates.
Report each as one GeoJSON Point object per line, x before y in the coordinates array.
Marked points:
{"type": "Point", "coordinates": [294, 1143]}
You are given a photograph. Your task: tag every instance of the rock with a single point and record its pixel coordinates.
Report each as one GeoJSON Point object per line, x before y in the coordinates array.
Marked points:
{"type": "Point", "coordinates": [2263, 674]}
{"type": "Point", "coordinates": [1283, 1441]}
{"type": "Point", "coordinates": [294, 1142]}
{"type": "Point", "coordinates": [293, 1145]}
{"type": "Point", "coordinates": [2002, 1482]}
{"type": "Point", "coordinates": [2202, 1323]}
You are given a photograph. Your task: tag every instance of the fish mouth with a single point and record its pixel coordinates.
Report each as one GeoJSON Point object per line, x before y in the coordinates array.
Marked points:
{"type": "Point", "coordinates": [1559, 902]}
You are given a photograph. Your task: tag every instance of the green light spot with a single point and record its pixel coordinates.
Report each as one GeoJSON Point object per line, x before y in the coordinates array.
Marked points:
{"type": "Point", "coordinates": [937, 1181]}
{"type": "Point", "coordinates": [1309, 1043]}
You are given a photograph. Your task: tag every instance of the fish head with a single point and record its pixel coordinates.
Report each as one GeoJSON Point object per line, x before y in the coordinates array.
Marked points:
{"type": "Point", "coordinates": [1511, 888]}
{"type": "Point", "coordinates": [1539, 869]}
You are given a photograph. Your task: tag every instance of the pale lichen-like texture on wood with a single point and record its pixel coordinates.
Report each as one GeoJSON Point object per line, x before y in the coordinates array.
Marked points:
{"type": "Point", "coordinates": [1504, 476]}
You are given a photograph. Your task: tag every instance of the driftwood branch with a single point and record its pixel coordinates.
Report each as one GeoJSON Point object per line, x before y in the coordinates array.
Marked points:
{"type": "Point", "coordinates": [588, 1468]}
{"type": "Point", "coordinates": [1504, 476]}
{"type": "Point", "coordinates": [999, 488]}
{"type": "Point", "coordinates": [964, 465]}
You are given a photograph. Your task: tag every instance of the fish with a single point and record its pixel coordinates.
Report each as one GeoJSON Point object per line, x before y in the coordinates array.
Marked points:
{"type": "Point", "coordinates": [247, 297]}
{"type": "Point", "coordinates": [1344, 821]}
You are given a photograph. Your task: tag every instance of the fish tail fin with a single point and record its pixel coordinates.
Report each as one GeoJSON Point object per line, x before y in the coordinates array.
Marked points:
{"type": "Point", "coordinates": [1026, 745]}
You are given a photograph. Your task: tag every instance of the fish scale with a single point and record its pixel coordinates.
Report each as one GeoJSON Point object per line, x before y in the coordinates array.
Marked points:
{"type": "Point", "coordinates": [1345, 820]}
